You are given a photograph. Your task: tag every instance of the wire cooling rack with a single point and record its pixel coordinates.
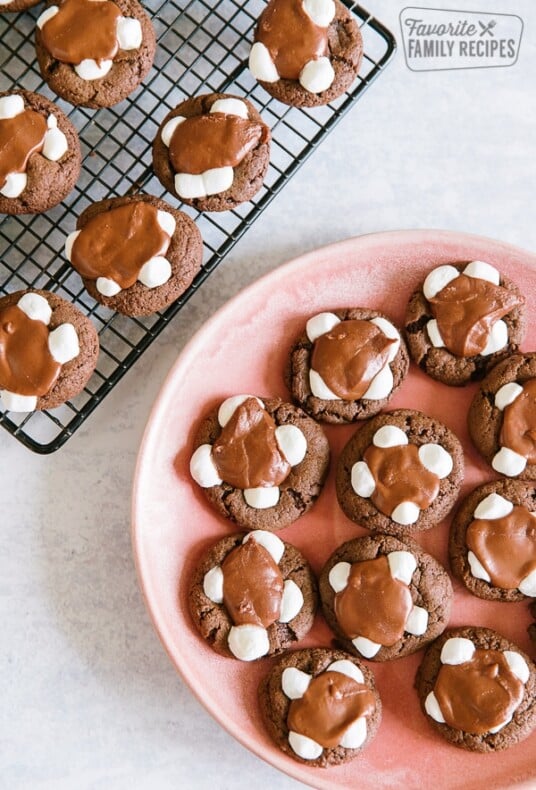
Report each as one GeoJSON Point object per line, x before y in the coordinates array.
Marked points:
{"type": "Point", "coordinates": [200, 49]}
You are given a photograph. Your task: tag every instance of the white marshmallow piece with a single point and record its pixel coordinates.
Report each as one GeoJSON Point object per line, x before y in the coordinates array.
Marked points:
{"type": "Point", "coordinates": [19, 403]}
{"type": "Point", "coordinates": [230, 405]}
{"type": "Point", "coordinates": [500, 726]}
{"type": "Point", "coordinates": [437, 279]}
{"type": "Point", "coordinates": [11, 106]}
{"type": "Point", "coordinates": [518, 665]}
{"type": "Point", "coordinates": [261, 64]}
{"type": "Point", "coordinates": [303, 746]}
{"type": "Point", "coordinates": [273, 545]}
{"type": "Point", "coordinates": [69, 242]}
{"type": "Point", "coordinates": [497, 338]}
{"type": "Point", "coordinates": [202, 467]}
{"type": "Point", "coordinates": [129, 33]}
{"type": "Point", "coordinates": [155, 272]}
{"type": "Point", "coordinates": [55, 144]}
{"type": "Point", "coordinates": [402, 565]}
{"type": "Point", "coordinates": [483, 271]}
{"type": "Point", "coordinates": [294, 682]}
{"type": "Point", "coordinates": [36, 307]}
{"type": "Point", "coordinates": [15, 185]}
{"type": "Point", "coordinates": [477, 569]}
{"type": "Point", "coordinates": [211, 182]}
{"type": "Point", "coordinates": [356, 734]}
{"type": "Point", "coordinates": [457, 650]}
{"type": "Point", "coordinates": [431, 706]}
{"type": "Point", "coordinates": [230, 107]}
{"type": "Point", "coordinates": [509, 463]}
{"type": "Point", "coordinates": [317, 75]}
{"type": "Point", "coordinates": [362, 480]}
{"type": "Point", "coordinates": [348, 668]}
{"type": "Point", "coordinates": [338, 576]}
{"type": "Point", "coordinates": [389, 436]}
{"type": "Point", "coordinates": [493, 506]}
{"type": "Point", "coordinates": [107, 287]}
{"type": "Point", "coordinates": [291, 601]}
{"type": "Point", "coordinates": [434, 334]}
{"type": "Point", "coordinates": [366, 647]}
{"type": "Point", "coordinates": [322, 12]}
{"type": "Point", "coordinates": [248, 642]}
{"type": "Point", "coordinates": [168, 130]}
{"type": "Point", "coordinates": [389, 331]}
{"type": "Point", "coordinates": [63, 343]}
{"type": "Point", "coordinates": [320, 324]}
{"type": "Point", "coordinates": [213, 584]}
{"type": "Point", "coordinates": [381, 385]}
{"type": "Point", "coordinates": [292, 443]}
{"type": "Point", "coordinates": [405, 513]}
{"type": "Point", "coordinates": [436, 459]}
{"type": "Point", "coordinates": [46, 15]}
{"type": "Point", "coordinates": [319, 388]}
{"type": "Point", "coordinates": [417, 621]}
{"type": "Point", "coordinates": [507, 395]}
{"type": "Point", "coordinates": [90, 70]}
{"type": "Point", "coordinates": [528, 585]}
{"type": "Point", "coordinates": [166, 221]}
{"type": "Point", "coordinates": [262, 498]}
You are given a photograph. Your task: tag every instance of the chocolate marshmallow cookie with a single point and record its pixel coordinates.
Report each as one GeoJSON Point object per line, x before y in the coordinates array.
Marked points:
{"type": "Point", "coordinates": [306, 52]}
{"type": "Point", "coordinates": [93, 53]}
{"type": "Point", "coordinates": [502, 417]}
{"type": "Point", "coordinates": [212, 152]}
{"type": "Point", "coordinates": [492, 544]}
{"type": "Point", "coordinates": [135, 254]}
{"type": "Point", "coordinates": [400, 472]}
{"type": "Point", "coordinates": [253, 596]}
{"type": "Point", "coordinates": [260, 463]}
{"type": "Point", "coordinates": [48, 351]}
{"type": "Point", "coordinates": [383, 598]}
{"type": "Point", "coordinates": [39, 153]}
{"type": "Point", "coordinates": [320, 706]}
{"type": "Point", "coordinates": [463, 320]}
{"type": "Point", "coordinates": [478, 690]}
{"type": "Point", "coordinates": [347, 365]}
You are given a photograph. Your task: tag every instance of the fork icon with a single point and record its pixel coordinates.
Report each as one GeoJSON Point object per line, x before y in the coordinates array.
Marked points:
{"type": "Point", "coordinates": [487, 28]}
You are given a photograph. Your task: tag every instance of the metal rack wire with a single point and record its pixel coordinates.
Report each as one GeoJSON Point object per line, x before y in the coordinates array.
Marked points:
{"type": "Point", "coordinates": [200, 49]}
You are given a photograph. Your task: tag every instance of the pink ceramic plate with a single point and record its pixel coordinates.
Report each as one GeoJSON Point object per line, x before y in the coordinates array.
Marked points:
{"type": "Point", "coordinates": [243, 349]}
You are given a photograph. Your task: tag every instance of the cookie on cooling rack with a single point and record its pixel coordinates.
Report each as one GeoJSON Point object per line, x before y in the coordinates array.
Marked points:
{"type": "Point", "coordinates": [306, 52]}
{"type": "Point", "coordinates": [93, 53]}
{"type": "Point", "coordinates": [135, 254]}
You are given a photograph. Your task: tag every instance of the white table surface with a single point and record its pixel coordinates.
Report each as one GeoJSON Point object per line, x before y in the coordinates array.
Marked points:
{"type": "Point", "coordinates": [90, 700]}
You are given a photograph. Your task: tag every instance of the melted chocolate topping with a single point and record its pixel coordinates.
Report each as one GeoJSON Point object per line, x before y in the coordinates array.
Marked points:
{"type": "Point", "coordinates": [400, 477]}
{"type": "Point", "coordinates": [82, 30]}
{"type": "Point", "coordinates": [246, 453]}
{"type": "Point", "coordinates": [252, 585]}
{"type": "Point", "coordinates": [26, 365]}
{"type": "Point", "coordinates": [518, 431]}
{"type": "Point", "coordinates": [20, 137]}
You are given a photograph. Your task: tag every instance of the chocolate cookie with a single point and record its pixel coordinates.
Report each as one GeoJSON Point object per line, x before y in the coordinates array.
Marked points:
{"type": "Point", "coordinates": [306, 53]}
{"type": "Point", "coordinates": [477, 689]}
{"type": "Point", "coordinates": [94, 54]}
{"type": "Point", "coordinates": [463, 320]}
{"type": "Point", "coordinates": [17, 5]}
{"type": "Point", "coordinates": [48, 350]}
{"type": "Point", "coordinates": [320, 706]}
{"type": "Point", "coordinates": [502, 417]}
{"type": "Point", "coordinates": [261, 464]}
{"type": "Point", "coordinates": [39, 153]}
{"type": "Point", "coordinates": [384, 598]}
{"type": "Point", "coordinates": [212, 152]}
{"type": "Point", "coordinates": [492, 545]}
{"type": "Point", "coordinates": [253, 596]}
{"type": "Point", "coordinates": [401, 471]}
{"type": "Point", "coordinates": [135, 254]}
{"type": "Point", "coordinates": [347, 365]}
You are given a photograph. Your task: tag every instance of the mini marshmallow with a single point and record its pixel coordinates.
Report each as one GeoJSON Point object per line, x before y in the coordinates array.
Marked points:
{"type": "Point", "coordinates": [15, 185]}
{"type": "Point", "coordinates": [365, 646]}
{"type": "Point", "coordinates": [292, 443]}
{"type": "Point", "coordinates": [155, 272]}
{"type": "Point", "coordinates": [55, 144]}
{"type": "Point", "coordinates": [483, 271]}
{"type": "Point", "coordinates": [509, 463]}
{"type": "Point", "coordinates": [500, 726]}
{"type": "Point", "coordinates": [63, 343]}
{"type": "Point", "coordinates": [230, 107]}
{"type": "Point", "coordinates": [322, 12]}
{"type": "Point", "coordinates": [11, 106]}
{"type": "Point", "coordinates": [36, 307]}
{"type": "Point", "coordinates": [493, 506]}
{"type": "Point", "coordinates": [437, 279]}
{"type": "Point", "coordinates": [528, 585]}
{"type": "Point", "coordinates": [19, 403]}
{"type": "Point", "coordinates": [166, 221]}
{"type": "Point", "coordinates": [107, 287]}
{"type": "Point", "coordinates": [202, 467]}
{"type": "Point", "coordinates": [389, 436]}
{"type": "Point", "coordinates": [406, 513]}
{"type": "Point", "coordinates": [213, 584]}
{"type": "Point", "coordinates": [320, 324]}
{"type": "Point", "coordinates": [381, 385]}
{"type": "Point", "coordinates": [230, 405]}
{"type": "Point", "coordinates": [436, 459]}
{"type": "Point", "coordinates": [402, 565]}
{"type": "Point", "coordinates": [294, 682]}
{"type": "Point", "coordinates": [89, 69]}
{"type": "Point", "coordinates": [303, 746]}
{"type": "Point", "coordinates": [317, 75]}
{"type": "Point", "coordinates": [261, 64]}
{"type": "Point", "coordinates": [477, 569]}
{"type": "Point", "coordinates": [262, 498]}
{"type": "Point", "coordinates": [273, 545]}
{"type": "Point", "coordinates": [69, 242]}
{"type": "Point", "coordinates": [518, 665]}
{"type": "Point", "coordinates": [338, 576]}
{"type": "Point", "coordinates": [362, 480]}
{"type": "Point", "coordinates": [168, 130]}
{"type": "Point", "coordinates": [248, 642]}
{"type": "Point", "coordinates": [356, 734]}
{"type": "Point", "coordinates": [389, 331]}
{"type": "Point", "coordinates": [211, 182]}
{"type": "Point", "coordinates": [507, 395]}
{"type": "Point", "coordinates": [417, 621]}
{"type": "Point", "coordinates": [348, 668]}
{"type": "Point", "coordinates": [319, 388]}
{"type": "Point", "coordinates": [434, 334]}
{"type": "Point", "coordinates": [497, 338]}
{"type": "Point", "coordinates": [457, 650]}
{"type": "Point", "coordinates": [129, 33]}
{"type": "Point", "coordinates": [46, 15]}
{"type": "Point", "coordinates": [291, 601]}
{"type": "Point", "coordinates": [431, 706]}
